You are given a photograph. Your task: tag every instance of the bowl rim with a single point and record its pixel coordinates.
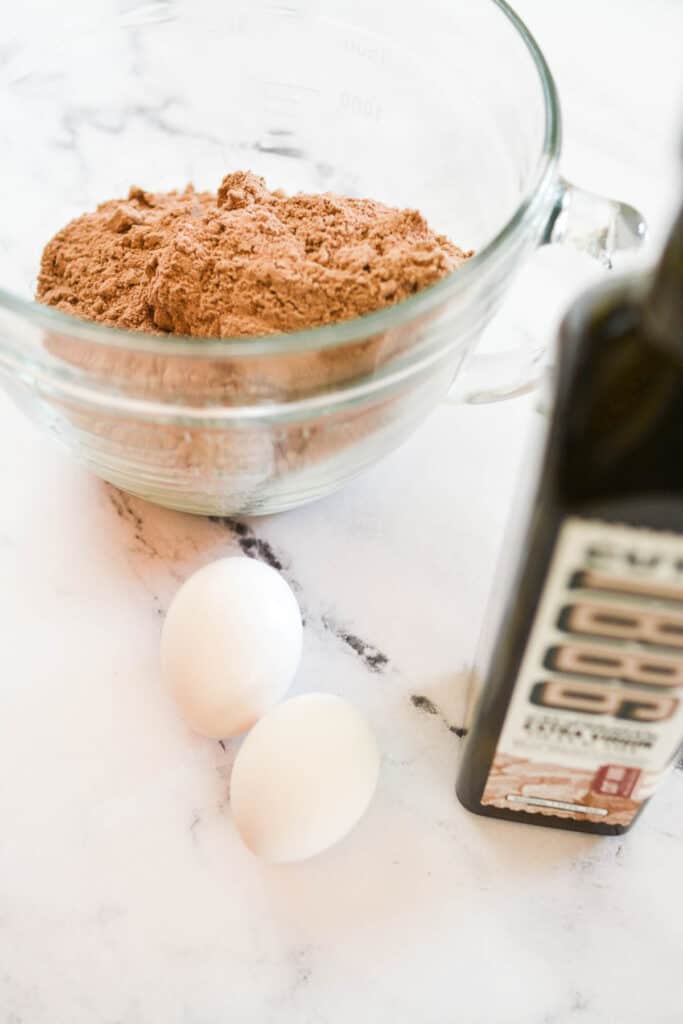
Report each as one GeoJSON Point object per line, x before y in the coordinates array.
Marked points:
{"type": "Point", "coordinates": [355, 329]}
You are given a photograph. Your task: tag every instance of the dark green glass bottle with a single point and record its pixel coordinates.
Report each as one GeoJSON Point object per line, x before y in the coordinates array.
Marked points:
{"type": "Point", "coordinates": [581, 708]}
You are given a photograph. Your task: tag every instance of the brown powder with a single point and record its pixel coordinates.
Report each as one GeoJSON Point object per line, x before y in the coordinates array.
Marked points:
{"type": "Point", "coordinates": [242, 262]}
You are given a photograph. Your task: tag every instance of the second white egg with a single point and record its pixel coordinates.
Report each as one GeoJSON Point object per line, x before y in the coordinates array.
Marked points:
{"type": "Point", "coordinates": [303, 777]}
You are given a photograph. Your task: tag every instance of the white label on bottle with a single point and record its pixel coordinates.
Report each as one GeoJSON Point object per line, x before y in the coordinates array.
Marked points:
{"type": "Point", "coordinates": [596, 716]}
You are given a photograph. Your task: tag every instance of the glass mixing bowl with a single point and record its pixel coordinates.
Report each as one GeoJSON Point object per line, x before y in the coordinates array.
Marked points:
{"type": "Point", "coordinates": [449, 108]}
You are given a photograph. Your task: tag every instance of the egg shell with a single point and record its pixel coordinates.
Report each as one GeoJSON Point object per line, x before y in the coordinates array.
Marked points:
{"type": "Point", "coordinates": [303, 777]}
{"type": "Point", "coordinates": [231, 645]}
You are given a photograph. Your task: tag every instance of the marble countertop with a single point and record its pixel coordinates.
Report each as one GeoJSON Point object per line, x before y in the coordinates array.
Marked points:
{"type": "Point", "coordinates": [126, 896]}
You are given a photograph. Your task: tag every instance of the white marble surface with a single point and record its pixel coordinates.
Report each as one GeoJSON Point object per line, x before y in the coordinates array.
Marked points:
{"type": "Point", "coordinates": [125, 894]}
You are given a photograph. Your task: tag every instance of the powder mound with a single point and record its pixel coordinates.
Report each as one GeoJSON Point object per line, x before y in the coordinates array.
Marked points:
{"type": "Point", "coordinates": [241, 262]}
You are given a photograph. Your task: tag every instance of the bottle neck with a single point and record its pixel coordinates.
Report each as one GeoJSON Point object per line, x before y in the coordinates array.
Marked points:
{"type": "Point", "coordinates": [663, 305]}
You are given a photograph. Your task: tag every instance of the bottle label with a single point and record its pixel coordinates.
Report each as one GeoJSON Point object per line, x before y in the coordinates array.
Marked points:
{"type": "Point", "coordinates": [596, 716]}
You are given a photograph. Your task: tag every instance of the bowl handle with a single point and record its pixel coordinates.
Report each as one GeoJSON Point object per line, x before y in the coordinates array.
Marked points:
{"type": "Point", "coordinates": [593, 224]}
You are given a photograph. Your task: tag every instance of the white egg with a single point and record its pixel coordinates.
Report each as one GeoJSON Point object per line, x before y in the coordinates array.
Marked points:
{"type": "Point", "coordinates": [303, 777]}
{"type": "Point", "coordinates": [230, 645]}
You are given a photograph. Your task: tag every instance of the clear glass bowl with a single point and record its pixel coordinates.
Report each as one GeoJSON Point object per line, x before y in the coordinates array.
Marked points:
{"type": "Point", "coordinates": [454, 112]}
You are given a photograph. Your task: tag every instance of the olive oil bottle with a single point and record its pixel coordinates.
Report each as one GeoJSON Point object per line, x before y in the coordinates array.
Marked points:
{"type": "Point", "coordinates": [581, 709]}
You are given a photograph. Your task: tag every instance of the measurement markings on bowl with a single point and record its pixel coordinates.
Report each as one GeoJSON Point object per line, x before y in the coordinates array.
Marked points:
{"type": "Point", "coordinates": [373, 54]}
{"type": "Point", "coordinates": [360, 106]}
